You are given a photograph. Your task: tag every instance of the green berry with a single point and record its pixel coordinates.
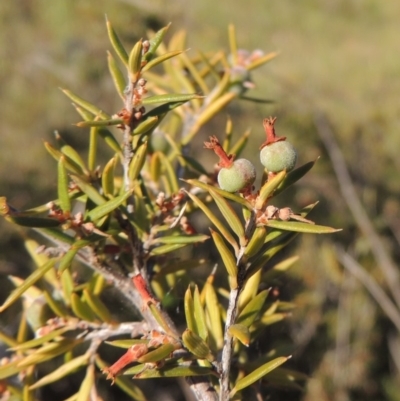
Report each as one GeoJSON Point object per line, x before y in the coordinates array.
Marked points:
{"type": "Point", "coordinates": [240, 175]}
{"type": "Point", "coordinates": [278, 156]}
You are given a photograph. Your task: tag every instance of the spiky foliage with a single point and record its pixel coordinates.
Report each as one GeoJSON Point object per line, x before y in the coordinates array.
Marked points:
{"type": "Point", "coordinates": [132, 223]}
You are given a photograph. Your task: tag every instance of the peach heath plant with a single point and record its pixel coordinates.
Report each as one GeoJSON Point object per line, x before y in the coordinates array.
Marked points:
{"type": "Point", "coordinates": [127, 229]}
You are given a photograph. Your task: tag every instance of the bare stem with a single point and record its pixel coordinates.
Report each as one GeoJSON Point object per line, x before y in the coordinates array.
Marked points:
{"type": "Point", "coordinates": [226, 359]}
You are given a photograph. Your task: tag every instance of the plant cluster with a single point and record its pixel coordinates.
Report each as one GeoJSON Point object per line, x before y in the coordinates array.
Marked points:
{"type": "Point", "coordinates": [131, 223]}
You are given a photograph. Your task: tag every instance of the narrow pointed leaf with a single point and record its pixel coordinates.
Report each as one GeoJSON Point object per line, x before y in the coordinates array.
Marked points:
{"type": "Point", "coordinates": [92, 193]}
{"type": "Point", "coordinates": [199, 315]}
{"type": "Point", "coordinates": [171, 98]}
{"type": "Point", "coordinates": [201, 83]}
{"type": "Point", "coordinates": [116, 43]}
{"type": "Point", "coordinates": [73, 155]}
{"type": "Point", "coordinates": [28, 282]}
{"type": "Point", "coordinates": [174, 371]}
{"type": "Point", "coordinates": [169, 174]}
{"type": "Point", "coordinates": [80, 308]}
{"type": "Point", "coordinates": [62, 371]}
{"type": "Point", "coordinates": [69, 163]}
{"type": "Point", "coordinates": [155, 41]}
{"type": "Point", "coordinates": [138, 161]}
{"type": "Point", "coordinates": [97, 306]}
{"type": "Point", "coordinates": [240, 144]}
{"type": "Point", "coordinates": [252, 309]}
{"type": "Point", "coordinates": [256, 241]}
{"type": "Point", "coordinates": [147, 126]}
{"type": "Point", "coordinates": [86, 105]}
{"type": "Point", "coordinates": [215, 322]}
{"type": "Point", "coordinates": [163, 249]}
{"type": "Point", "coordinates": [214, 220]}
{"type": "Point", "coordinates": [92, 152]}
{"type": "Point", "coordinates": [241, 332]}
{"type": "Point", "coordinates": [293, 176]}
{"type": "Point", "coordinates": [196, 345]}
{"type": "Point", "coordinates": [40, 340]}
{"type": "Point", "coordinates": [230, 216]}
{"type": "Point", "coordinates": [226, 255]}
{"type": "Point", "coordinates": [262, 60]}
{"type": "Point", "coordinates": [100, 123]}
{"type": "Point", "coordinates": [159, 354]}
{"type": "Point", "coordinates": [65, 201]}
{"type": "Point", "coordinates": [135, 60]}
{"type": "Point", "coordinates": [189, 310]}
{"type": "Point", "coordinates": [87, 385]}
{"type": "Point", "coordinates": [233, 47]}
{"type": "Point", "coordinates": [207, 114]}
{"type": "Point", "coordinates": [301, 227]}
{"type": "Point", "coordinates": [9, 369]}
{"type": "Point", "coordinates": [110, 140]}
{"type": "Point", "coordinates": [164, 108]}
{"type": "Point", "coordinates": [108, 207]}
{"type": "Point", "coordinates": [225, 194]}
{"type": "Point", "coordinates": [161, 59]}
{"type": "Point", "coordinates": [177, 239]}
{"type": "Point", "coordinates": [107, 177]}
{"type": "Point", "coordinates": [268, 189]}
{"type": "Point", "coordinates": [116, 74]}
{"type": "Point", "coordinates": [257, 374]}
{"type": "Point", "coordinates": [34, 222]}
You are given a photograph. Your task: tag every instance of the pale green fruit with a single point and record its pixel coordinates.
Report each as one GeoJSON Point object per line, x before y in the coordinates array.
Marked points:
{"type": "Point", "coordinates": [240, 175]}
{"type": "Point", "coordinates": [278, 156]}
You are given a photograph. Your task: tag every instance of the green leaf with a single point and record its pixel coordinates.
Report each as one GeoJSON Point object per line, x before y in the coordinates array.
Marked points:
{"type": "Point", "coordinates": [33, 222]}
{"type": "Point", "coordinates": [97, 306]}
{"type": "Point", "coordinates": [65, 201]}
{"type": "Point", "coordinates": [100, 123]}
{"type": "Point", "coordinates": [9, 369]}
{"type": "Point", "coordinates": [135, 60]}
{"type": "Point", "coordinates": [107, 177]}
{"type": "Point", "coordinates": [81, 308]}
{"type": "Point", "coordinates": [64, 370]}
{"type": "Point", "coordinates": [86, 105]}
{"type": "Point", "coordinates": [225, 194]}
{"type": "Point", "coordinates": [189, 310]}
{"type": "Point", "coordinates": [69, 163]}
{"type": "Point", "coordinates": [262, 60]}
{"type": "Point", "coordinates": [199, 316]}
{"type": "Point", "coordinates": [116, 43]}
{"type": "Point", "coordinates": [169, 174]}
{"type": "Point", "coordinates": [257, 374]}
{"type": "Point", "coordinates": [92, 193]}
{"type": "Point", "coordinates": [67, 259]}
{"type": "Point", "coordinates": [155, 41]}
{"type": "Point", "coordinates": [293, 176]}
{"type": "Point", "coordinates": [108, 207]}
{"type": "Point", "coordinates": [227, 257]}
{"type": "Point", "coordinates": [160, 59]}
{"type": "Point", "coordinates": [240, 145]}
{"type": "Point", "coordinates": [28, 282]}
{"type": "Point", "coordinates": [179, 239]}
{"type": "Point", "coordinates": [164, 108]}
{"type": "Point", "coordinates": [215, 331]}
{"type": "Point", "coordinates": [138, 161]}
{"type": "Point", "coordinates": [256, 241]}
{"type": "Point", "coordinates": [196, 345]}
{"type": "Point", "coordinates": [163, 249]}
{"type": "Point", "coordinates": [301, 227]}
{"type": "Point", "coordinates": [171, 98]}
{"type": "Point", "coordinates": [117, 76]}
{"type": "Point", "coordinates": [268, 189]}
{"type": "Point", "coordinates": [110, 140]}
{"type": "Point", "coordinates": [87, 384]}
{"type": "Point", "coordinates": [252, 309]}
{"type": "Point", "coordinates": [147, 126]}
{"type": "Point", "coordinates": [173, 371]}
{"type": "Point", "coordinates": [40, 340]}
{"type": "Point", "coordinates": [230, 216]}
{"type": "Point", "coordinates": [125, 343]}
{"type": "Point", "coordinates": [214, 220]}
{"type": "Point", "coordinates": [159, 354]}
{"type": "Point", "coordinates": [241, 332]}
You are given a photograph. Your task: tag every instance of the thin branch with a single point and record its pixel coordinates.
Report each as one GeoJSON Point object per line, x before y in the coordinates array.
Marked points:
{"type": "Point", "coordinates": [226, 359]}
{"type": "Point", "coordinates": [349, 193]}
{"type": "Point", "coordinates": [388, 307]}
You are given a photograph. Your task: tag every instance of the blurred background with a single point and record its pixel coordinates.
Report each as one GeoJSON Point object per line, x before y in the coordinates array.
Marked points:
{"type": "Point", "coordinates": [335, 90]}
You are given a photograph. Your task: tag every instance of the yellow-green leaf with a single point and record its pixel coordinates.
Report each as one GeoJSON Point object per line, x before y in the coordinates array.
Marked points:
{"type": "Point", "coordinates": [214, 220]}
{"type": "Point", "coordinates": [301, 227]}
{"type": "Point", "coordinates": [163, 249]}
{"type": "Point", "coordinates": [252, 309]}
{"type": "Point", "coordinates": [147, 126]}
{"type": "Point", "coordinates": [230, 216]}
{"type": "Point", "coordinates": [28, 282]}
{"type": "Point", "coordinates": [171, 98]}
{"type": "Point", "coordinates": [196, 345]}
{"type": "Point", "coordinates": [160, 353]}
{"type": "Point", "coordinates": [138, 161]}
{"type": "Point", "coordinates": [28, 221]}
{"type": "Point", "coordinates": [110, 140]}
{"type": "Point", "coordinates": [160, 59]}
{"type": "Point", "coordinates": [107, 177]}
{"type": "Point", "coordinates": [256, 241]}
{"type": "Point", "coordinates": [97, 306]}
{"type": "Point", "coordinates": [268, 189]}
{"type": "Point", "coordinates": [81, 308]}
{"type": "Point", "coordinates": [175, 371]}
{"type": "Point", "coordinates": [62, 371]}
{"type": "Point", "coordinates": [241, 332]}
{"type": "Point", "coordinates": [63, 196]}
{"type": "Point", "coordinates": [100, 123]}
{"type": "Point", "coordinates": [258, 374]}
{"type": "Point", "coordinates": [135, 60]}
{"type": "Point", "coordinates": [69, 163]}
{"type": "Point", "coordinates": [155, 41]}
{"type": "Point", "coordinates": [116, 74]}
{"type": "Point", "coordinates": [199, 316]}
{"type": "Point", "coordinates": [262, 60]}
{"type": "Point", "coordinates": [227, 257]}
{"type": "Point", "coordinates": [92, 193]}
{"type": "Point", "coordinates": [67, 259]}
{"type": "Point", "coordinates": [214, 316]}
{"type": "Point", "coordinates": [178, 239]}
{"type": "Point", "coordinates": [116, 43]}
